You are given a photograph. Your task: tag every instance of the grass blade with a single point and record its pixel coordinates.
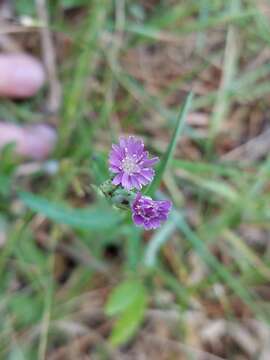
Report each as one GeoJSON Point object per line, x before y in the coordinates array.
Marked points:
{"type": "Point", "coordinates": [222, 105]}
{"type": "Point", "coordinates": [159, 239]}
{"type": "Point", "coordinates": [231, 281]}
{"type": "Point", "coordinates": [74, 96]}
{"type": "Point", "coordinates": [171, 147]}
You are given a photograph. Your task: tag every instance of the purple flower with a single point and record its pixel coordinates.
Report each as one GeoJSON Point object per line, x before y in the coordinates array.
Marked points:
{"type": "Point", "coordinates": [130, 162]}
{"type": "Point", "coordinates": [149, 213]}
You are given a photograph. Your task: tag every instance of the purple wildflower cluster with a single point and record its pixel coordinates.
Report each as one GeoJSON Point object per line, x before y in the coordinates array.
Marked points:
{"type": "Point", "coordinates": [133, 169]}
{"type": "Point", "coordinates": [130, 162]}
{"type": "Point", "coordinates": [149, 213]}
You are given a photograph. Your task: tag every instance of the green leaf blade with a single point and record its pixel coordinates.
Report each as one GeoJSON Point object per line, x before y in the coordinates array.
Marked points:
{"type": "Point", "coordinates": [130, 320]}
{"type": "Point", "coordinates": [88, 218]}
{"type": "Point", "coordinates": [168, 156]}
{"type": "Point", "coordinates": [122, 297]}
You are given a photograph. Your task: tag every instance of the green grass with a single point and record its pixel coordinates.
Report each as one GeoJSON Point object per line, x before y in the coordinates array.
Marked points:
{"type": "Point", "coordinates": [49, 236]}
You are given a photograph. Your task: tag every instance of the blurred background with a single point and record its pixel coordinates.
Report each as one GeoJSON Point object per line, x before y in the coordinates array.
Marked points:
{"type": "Point", "coordinates": [78, 280]}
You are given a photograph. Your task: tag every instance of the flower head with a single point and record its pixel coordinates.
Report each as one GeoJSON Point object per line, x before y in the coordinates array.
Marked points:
{"type": "Point", "coordinates": [131, 164]}
{"type": "Point", "coordinates": [149, 213]}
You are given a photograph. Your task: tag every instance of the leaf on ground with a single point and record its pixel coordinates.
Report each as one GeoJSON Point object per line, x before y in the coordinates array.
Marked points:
{"type": "Point", "coordinates": [129, 321]}
{"type": "Point", "coordinates": [122, 296]}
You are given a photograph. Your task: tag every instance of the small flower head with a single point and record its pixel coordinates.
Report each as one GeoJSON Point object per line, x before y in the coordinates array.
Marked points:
{"type": "Point", "coordinates": [149, 213]}
{"type": "Point", "coordinates": [131, 164]}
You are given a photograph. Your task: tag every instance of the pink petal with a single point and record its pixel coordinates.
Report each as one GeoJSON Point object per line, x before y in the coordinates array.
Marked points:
{"type": "Point", "coordinates": [117, 179]}
{"type": "Point", "coordinates": [117, 152]}
{"type": "Point", "coordinates": [135, 182]}
{"type": "Point", "coordinates": [33, 141]}
{"type": "Point", "coordinates": [150, 162]}
{"type": "Point", "coordinates": [39, 141]}
{"type": "Point", "coordinates": [155, 223]}
{"type": "Point", "coordinates": [123, 143]}
{"type": "Point", "coordinates": [142, 179]}
{"type": "Point", "coordinates": [138, 219]}
{"type": "Point", "coordinates": [114, 161]}
{"type": "Point", "coordinates": [147, 173]}
{"type": "Point", "coordinates": [21, 75]}
{"type": "Point", "coordinates": [126, 183]}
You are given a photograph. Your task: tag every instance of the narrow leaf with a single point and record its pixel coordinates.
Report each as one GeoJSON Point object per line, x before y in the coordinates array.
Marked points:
{"type": "Point", "coordinates": [171, 147]}
{"type": "Point", "coordinates": [231, 281]}
{"type": "Point", "coordinates": [88, 218]}
{"type": "Point", "coordinates": [157, 241]}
